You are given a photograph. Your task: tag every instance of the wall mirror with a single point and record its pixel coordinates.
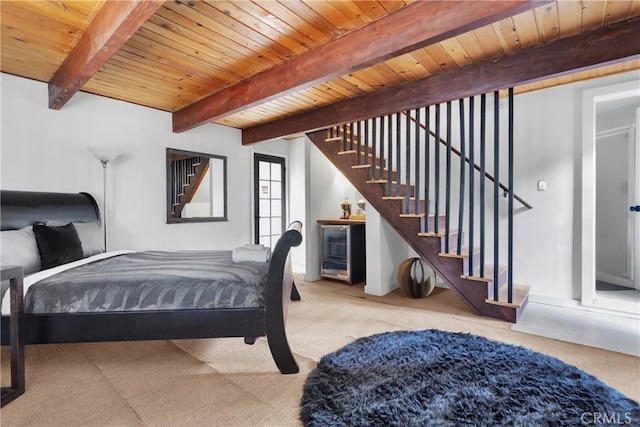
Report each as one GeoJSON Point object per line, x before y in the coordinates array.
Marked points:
{"type": "Point", "coordinates": [196, 187]}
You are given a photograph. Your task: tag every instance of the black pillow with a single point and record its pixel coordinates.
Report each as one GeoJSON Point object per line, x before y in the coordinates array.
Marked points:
{"type": "Point", "coordinates": [57, 245]}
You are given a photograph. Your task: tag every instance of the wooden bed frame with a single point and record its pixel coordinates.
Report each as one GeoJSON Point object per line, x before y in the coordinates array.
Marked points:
{"type": "Point", "coordinates": [20, 209]}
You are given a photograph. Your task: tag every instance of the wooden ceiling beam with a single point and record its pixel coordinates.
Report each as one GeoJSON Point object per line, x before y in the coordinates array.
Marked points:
{"type": "Point", "coordinates": [112, 26]}
{"type": "Point", "coordinates": [420, 24]}
{"type": "Point", "coordinates": [606, 45]}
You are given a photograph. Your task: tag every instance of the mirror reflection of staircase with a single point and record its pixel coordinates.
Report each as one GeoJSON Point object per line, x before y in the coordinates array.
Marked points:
{"type": "Point", "coordinates": [187, 172]}
{"type": "Point", "coordinates": [450, 155]}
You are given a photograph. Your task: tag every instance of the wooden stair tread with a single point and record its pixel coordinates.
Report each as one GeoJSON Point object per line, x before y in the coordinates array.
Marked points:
{"type": "Point", "coordinates": [439, 233]}
{"type": "Point", "coordinates": [464, 253]}
{"type": "Point", "coordinates": [411, 215]}
{"type": "Point", "coordinates": [335, 138]}
{"type": "Point", "coordinates": [360, 166]}
{"type": "Point", "coordinates": [341, 153]}
{"type": "Point", "coordinates": [412, 198]}
{"type": "Point", "coordinates": [520, 296]}
{"type": "Point", "coordinates": [488, 273]}
{"type": "Point", "coordinates": [377, 181]}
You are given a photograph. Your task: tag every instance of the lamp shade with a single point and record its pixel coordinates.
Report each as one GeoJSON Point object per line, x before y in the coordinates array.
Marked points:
{"type": "Point", "coordinates": [104, 154]}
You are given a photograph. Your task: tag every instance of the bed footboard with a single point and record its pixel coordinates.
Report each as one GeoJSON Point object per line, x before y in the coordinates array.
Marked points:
{"type": "Point", "coordinates": [280, 290]}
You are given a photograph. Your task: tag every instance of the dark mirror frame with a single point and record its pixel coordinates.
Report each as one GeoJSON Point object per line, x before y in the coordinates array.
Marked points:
{"type": "Point", "coordinates": [170, 184]}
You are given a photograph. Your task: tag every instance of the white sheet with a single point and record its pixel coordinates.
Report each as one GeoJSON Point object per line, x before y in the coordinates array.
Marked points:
{"type": "Point", "coordinates": [41, 275]}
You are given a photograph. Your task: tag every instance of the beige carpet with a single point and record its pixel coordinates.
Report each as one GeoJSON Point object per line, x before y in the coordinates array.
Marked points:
{"type": "Point", "coordinates": [223, 382]}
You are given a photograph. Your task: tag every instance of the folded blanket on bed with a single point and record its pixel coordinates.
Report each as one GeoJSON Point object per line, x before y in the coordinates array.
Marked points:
{"type": "Point", "coordinates": [255, 253]}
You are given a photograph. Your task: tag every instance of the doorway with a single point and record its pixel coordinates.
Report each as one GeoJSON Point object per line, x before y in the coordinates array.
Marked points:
{"type": "Point", "coordinates": [269, 198]}
{"type": "Point", "coordinates": [610, 192]}
{"type": "Point", "coordinates": [615, 223]}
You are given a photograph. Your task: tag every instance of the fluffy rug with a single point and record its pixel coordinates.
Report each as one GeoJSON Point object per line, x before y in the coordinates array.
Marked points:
{"type": "Point", "coordinates": [435, 378]}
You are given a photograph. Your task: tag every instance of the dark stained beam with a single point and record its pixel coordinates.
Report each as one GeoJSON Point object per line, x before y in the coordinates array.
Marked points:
{"type": "Point", "coordinates": [112, 26]}
{"type": "Point", "coordinates": [606, 45]}
{"type": "Point", "coordinates": [420, 24]}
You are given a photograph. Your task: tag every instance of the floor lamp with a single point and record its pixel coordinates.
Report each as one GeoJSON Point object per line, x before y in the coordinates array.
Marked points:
{"type": "Point", "coordinates": [104, 155]}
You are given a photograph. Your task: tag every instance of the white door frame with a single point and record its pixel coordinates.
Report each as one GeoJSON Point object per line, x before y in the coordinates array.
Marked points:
{"type": "Point", "coordinates": [590, 99]}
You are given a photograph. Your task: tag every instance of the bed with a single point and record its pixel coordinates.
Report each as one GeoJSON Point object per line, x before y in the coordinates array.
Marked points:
{"type": "Point", "coordinates": [262, 313]}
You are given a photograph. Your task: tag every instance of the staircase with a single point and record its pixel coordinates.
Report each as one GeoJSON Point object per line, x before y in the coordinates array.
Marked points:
{"type": "Point", "coordinates": [398, 163]}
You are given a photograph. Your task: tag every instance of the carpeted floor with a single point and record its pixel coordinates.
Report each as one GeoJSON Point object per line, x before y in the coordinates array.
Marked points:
{"type": "Point", "coordinates": [223, 382]}
{"type": "Point", "coordinates": [431, 377]}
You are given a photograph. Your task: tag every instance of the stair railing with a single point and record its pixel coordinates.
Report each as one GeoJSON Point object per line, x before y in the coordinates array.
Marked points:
{"type": "Point", "coordinates": [455, 151]}
{"type": "Point", "coordinates": [380, 143]}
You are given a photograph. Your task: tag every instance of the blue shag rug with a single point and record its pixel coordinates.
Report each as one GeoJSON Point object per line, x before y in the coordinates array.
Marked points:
{"type": "Point", "coordinates": [436, 378]}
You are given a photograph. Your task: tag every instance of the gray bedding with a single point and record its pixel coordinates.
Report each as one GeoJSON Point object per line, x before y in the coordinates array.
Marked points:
{"type": "Point", "coordinates": [152, 280]}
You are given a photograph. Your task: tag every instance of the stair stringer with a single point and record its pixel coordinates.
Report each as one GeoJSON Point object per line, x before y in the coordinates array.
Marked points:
{"type": "Point", "coordinates": [473, 293]}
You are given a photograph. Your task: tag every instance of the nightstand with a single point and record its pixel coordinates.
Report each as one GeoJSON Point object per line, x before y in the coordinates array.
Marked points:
{"type": "Point", "coordinates": [14, 275]}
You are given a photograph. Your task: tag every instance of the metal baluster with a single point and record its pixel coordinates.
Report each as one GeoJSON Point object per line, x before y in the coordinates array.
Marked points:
{"type": "Point", "coordinates": [390, 150]}
{"type": "Point", "coordinates": [496, 191]}
{"type": "Point", "coordinates": [483, 159]}
{"type": "Point", "coordinates": [374, 141]}
{"type": "Point", "coordinates": [398, 158]}
{"type": "Point", "coordinates": [344, 137]}
{"type": "Point", "coordinates": [427, 166]}
{"type": "Point", "coordinates": [471, 178]}
{"type": "Point", "coordinates": [462, 181]}
{"type": "Point", "coordinates": [359, 143]}
{"type": "Point", "coordinates": [383, 147]}
{"type": "Point", "coordinates": [417, 178]}
{"type": "Point", "coordinates": [447, 226]}
{"type": "Point", "coordinates": [351, 126]}
{"type": "Point", "coordinates": [407, 172]}
{"type": "Point", "coordinates": [436, 226]}
{"type": "Point", "coordinates": [510, 219]}
{"type": "Point", "coordinates": [366, 141]}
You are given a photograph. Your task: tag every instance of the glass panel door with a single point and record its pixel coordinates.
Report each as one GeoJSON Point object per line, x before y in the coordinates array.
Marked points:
{"type": "Point", "coordinates": [269, 199]}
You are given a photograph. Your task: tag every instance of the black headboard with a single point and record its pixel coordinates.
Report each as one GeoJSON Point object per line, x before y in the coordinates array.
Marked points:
{"type": "Point", "coordinates": [20, 209]}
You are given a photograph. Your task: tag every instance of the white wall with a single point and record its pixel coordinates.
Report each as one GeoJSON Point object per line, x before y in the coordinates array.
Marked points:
{"type": "Point", "coordinates": [548, 137]}
{"type": "Point", "coordinates": [298, 200]}
{"type": "Point", "coordinates": [327, 189]}
{"type": "Point", "coordinates": [45, 150]}
{"type": "Point", "coordinates": [385, 251]}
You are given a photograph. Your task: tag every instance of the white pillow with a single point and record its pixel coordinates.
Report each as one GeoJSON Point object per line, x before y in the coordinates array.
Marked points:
{"type": "Point", "coordinates": [91, 237]}
{"type": "Point", "coordinates": [89, 233]}
{"type": "Point", "coordinates": [19, 247]}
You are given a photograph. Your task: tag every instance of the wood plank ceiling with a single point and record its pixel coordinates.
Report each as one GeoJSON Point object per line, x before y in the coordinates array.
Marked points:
{"type": "Point", "coordinates": [188, 50]}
